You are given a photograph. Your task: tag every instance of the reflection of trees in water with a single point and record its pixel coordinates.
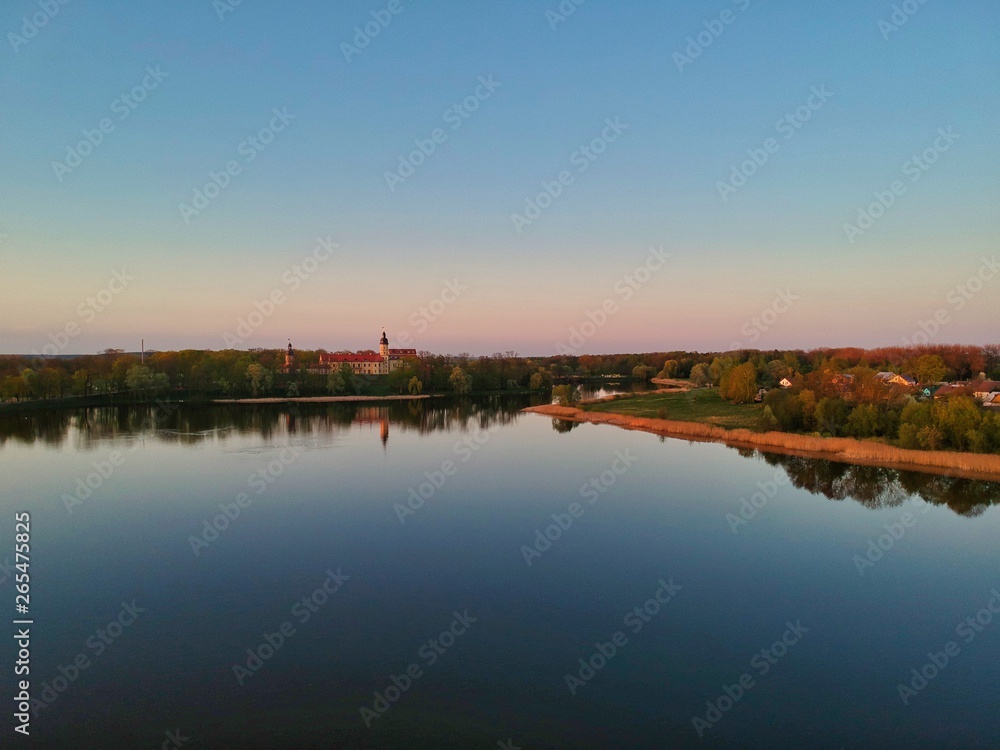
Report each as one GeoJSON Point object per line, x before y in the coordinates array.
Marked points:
{"type": "Point", "coordinates": [188, 424]}
{"type": "Point", "coordinates": [876, 487]}
{"type": "Point", "coordinates": [564, 425]}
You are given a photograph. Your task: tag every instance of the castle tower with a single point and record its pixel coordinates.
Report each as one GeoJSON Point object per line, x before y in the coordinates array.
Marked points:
{"type": "Point", "coordinates": [383, 346]}
{"type": "Point", "coordinates": [289, 358]}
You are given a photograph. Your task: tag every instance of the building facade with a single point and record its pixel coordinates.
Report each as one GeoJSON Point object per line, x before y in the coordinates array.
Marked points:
{"type": "Point", "coordinates": [367, 362]}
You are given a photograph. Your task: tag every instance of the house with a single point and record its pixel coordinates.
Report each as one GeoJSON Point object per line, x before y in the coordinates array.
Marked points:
{"type": "Point", "coordinates": [785, 383]}
{"type": "Point", "coordinates": [993, 400]}
{"type": "Point", "coordinates": [984, 388]}
{"type": "Point", "coordinates": [892, 378]}
{"type": "Point", "coordinates": [951, 389]}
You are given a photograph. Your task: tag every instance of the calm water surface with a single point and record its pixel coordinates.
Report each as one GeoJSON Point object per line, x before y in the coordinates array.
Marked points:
{"type": "Point", "coordinates": [786, 625]}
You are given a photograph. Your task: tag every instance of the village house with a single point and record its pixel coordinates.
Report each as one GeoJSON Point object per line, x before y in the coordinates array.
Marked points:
{"type": "Point", "coordinates": [985, 388]}
{"type": "Point", "coordinates": [892, 378]}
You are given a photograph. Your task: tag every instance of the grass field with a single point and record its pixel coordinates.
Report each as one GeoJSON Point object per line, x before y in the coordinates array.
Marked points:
{"type": "Point", "coordinates": [698, 405]}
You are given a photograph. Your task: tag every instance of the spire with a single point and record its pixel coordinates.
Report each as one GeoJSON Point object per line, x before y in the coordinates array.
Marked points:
{"type": "Point", "coordinates": [384, 339]}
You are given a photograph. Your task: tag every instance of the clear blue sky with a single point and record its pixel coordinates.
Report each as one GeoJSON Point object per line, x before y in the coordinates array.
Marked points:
{"type": "Point", "coordinates": [524, 287]}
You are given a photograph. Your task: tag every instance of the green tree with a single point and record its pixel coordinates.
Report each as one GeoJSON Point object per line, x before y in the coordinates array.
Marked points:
{"type": "Point", "coordinates": [13, 388]}
{"type": "Point", "coordinates": [540, 380]}
{"type": "Point", "coordinates": [565, 395]}
{"type": "Point", "coordinates": [863, 421]}
{"type": "Point", "coordinates": [929, 368]}
{"type": "Point", "coordinates": [30, 379]}
{"type": "Point", "coordinates": [956, 419]}
{"type": "Point", "coordinates": [259, 379]}
{"type": "Point", "coordinates": [415, 386]}
{"type": "Point", "coordinates": [832, 415]}
{"type": "Point", "coordinates": [670, 368]}
{"type": "Point", "coordinates": [643, 372]}
{"type": "Point", "coordinates": [785, 409]}
{"type": "Point", "coordinates": [701, 374]}
{"type": "Point", "coordinates": [460, 381]}
{"type": "Point", "coordinates": [81, 383]}
{"type": "Point", "coordinates": [139, 379]}
{"type": "Point", "coordinates": [335, 383]}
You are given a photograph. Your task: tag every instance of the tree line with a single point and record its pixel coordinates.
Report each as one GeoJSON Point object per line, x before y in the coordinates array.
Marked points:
{"type": "Point", "coordinates": [234, 373]}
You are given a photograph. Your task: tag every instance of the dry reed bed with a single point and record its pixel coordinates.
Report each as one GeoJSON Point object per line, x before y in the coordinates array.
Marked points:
{"type": "Point", "coordinates": [973, 465]}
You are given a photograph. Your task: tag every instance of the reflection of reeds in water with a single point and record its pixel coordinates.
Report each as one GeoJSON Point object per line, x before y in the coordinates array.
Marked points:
{"type": "Point", "coordinates": [977, 465]}
{"type": "Point", "coordinates": [878, 487]}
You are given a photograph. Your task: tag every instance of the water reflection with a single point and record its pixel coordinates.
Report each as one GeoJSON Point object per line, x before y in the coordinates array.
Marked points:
{"type": "Point", "coordinates": [877, 488]}
{"type": "Point", "coordinates": [184, 423]}
{"type": "Point", "coordinates": [86, 429]}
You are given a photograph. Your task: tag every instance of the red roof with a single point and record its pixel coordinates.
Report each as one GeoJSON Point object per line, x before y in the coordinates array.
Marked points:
{"type": "Point", "coordinates": [402, 352]}
{"type": "Point", "coordinates": [345, 357]}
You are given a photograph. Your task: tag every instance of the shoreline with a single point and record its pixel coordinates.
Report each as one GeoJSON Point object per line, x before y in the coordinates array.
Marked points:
{"type": "Point", "coordinates": [321, 399]}
{"type": "Point", "coordinates": [981, 466]}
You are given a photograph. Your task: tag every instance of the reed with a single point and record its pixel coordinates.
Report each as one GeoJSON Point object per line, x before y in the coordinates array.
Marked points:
{"type": "Point", "coordinates": [982, 465]}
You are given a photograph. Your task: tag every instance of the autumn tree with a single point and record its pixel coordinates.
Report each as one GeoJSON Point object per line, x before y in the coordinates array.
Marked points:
{"type": "Point", "coordinates": [739, 385]}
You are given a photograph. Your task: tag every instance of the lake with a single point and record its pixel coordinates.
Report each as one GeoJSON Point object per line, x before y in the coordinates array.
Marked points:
{"type": "Point", "coordinates": [457, 574]}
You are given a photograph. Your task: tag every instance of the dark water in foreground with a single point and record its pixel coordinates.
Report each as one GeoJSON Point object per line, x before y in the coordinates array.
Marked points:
{"type": "Point", "coordinates": [786, 625]}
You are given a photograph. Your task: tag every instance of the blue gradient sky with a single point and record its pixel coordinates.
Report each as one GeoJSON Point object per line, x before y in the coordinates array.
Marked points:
{"type": "Point", "coordinates": [655, 186]}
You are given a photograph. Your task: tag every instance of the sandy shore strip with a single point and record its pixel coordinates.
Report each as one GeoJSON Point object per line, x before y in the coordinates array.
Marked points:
{"type": "Point", "coordinates": [318, 399]}
{"type": "Point", "coordinates": [847, 450]}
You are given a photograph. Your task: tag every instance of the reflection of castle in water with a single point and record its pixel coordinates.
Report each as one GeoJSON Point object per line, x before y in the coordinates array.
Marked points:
{"type": "Point", "coordinates": [372, 415]}
{"type": "Point", "coordinates": [873, 487]}
{"type": "Point", "coordinates": [363, 415]}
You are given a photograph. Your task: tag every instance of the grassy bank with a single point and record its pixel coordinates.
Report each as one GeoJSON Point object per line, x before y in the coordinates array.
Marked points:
{"type": "Point", "coordinates": [698, 405]}
{"type": "Point", "coordinates": [848, 450]}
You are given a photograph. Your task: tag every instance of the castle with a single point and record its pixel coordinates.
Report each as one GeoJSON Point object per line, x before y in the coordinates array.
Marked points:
{"type": "Point", "coordinates": [362, 363]}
